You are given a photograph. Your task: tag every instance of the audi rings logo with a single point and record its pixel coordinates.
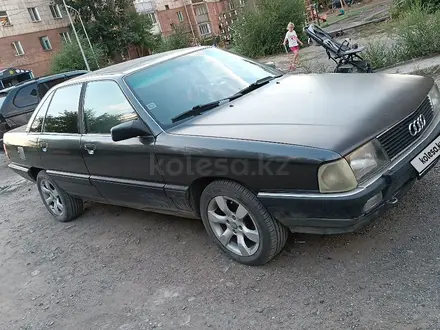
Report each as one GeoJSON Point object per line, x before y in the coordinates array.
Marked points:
{"type": "Point", "coordinates": [417, 125]}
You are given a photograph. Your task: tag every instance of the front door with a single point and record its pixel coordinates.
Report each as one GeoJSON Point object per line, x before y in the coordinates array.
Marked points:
{"type": "Point", "coordinates": [124, 172]}
{"type": "Point", "coordinates": [59, 144]}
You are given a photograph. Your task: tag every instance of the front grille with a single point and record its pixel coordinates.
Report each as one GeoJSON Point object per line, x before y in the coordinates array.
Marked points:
{"type": "Point", "coordinates": [398, 138]}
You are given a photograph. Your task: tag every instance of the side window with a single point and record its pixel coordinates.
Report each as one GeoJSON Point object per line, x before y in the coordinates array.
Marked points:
{"type": "Point", "coordinates": [105, 106]}
{"type": "Point", "coordinates": [44, 87]}
{"type": "Point", "coordinates": [26, 96]}
{"type": "Point", "coordinates": [62, 115]}
{"type": "Point", "coordinates": [37, 124]}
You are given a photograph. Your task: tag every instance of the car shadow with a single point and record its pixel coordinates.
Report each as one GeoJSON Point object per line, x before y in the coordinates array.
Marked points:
{"type": "Point", "coordinates": [394, 227]}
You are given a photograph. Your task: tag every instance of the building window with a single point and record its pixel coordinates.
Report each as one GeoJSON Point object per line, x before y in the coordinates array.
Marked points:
{"type": "Point", "coordinates": [34, 14]}
{"type": "Point", "coordinates": [204, 29]}
{"type": "Point", "coordinates": [4, 19]}
{"type": "Point", "coordinates": [152, 18]}
{"type": "Point", "coordinates": [65, 37]}
{"type": "Point", "coordinates": [180, 16]}
{"type": "Point", "coordinates": [167, 7]}
{"type": "Point", "coordinates": [56, 11]}
{"type": "Point", "coordinates": [45, 43]}
{"type": "Point", "coordinates": [18, 48]}
{"type": "Point", "coordinates": [200, 10]}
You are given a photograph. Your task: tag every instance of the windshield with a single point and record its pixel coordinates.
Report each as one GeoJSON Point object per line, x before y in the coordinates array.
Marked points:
{"type": "Point", "coordinates": [171, 88]}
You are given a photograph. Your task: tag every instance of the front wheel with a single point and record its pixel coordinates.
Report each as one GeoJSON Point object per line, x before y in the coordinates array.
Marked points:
{"type": "Point", "coordinates": [60, 204]}
{"type": "Point", "coordinates": [239, 224]}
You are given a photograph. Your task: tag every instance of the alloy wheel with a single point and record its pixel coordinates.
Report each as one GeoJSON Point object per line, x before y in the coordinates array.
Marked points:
{"type": "Point", "coordinates": [233, 226]}
{"type": "Point", "coordinates": [51, 197]}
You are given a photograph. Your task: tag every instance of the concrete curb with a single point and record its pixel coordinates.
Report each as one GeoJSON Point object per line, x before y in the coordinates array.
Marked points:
{"type": "Point", "coordinates": [422, 66]}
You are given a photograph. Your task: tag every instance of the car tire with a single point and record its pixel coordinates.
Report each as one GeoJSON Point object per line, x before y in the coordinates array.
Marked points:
{"type": "Point", "coordinates": [60, 204]}
{"type": "Point", "coordinates": [239, 223]}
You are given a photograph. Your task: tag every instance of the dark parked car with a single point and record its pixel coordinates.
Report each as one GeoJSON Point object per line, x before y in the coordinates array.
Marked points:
{"type": "Point", "coordinates": [207, 134]}
{"type": "Point", "coordinates": [17, 103]}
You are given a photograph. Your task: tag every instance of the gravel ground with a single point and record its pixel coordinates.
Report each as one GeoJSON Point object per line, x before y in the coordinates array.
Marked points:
{"type": "Point", "coordinates": [116, 268]}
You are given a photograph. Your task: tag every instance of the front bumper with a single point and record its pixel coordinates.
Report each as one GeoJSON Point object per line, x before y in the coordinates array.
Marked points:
{"type": "Point", "coordinates": [338, 213]}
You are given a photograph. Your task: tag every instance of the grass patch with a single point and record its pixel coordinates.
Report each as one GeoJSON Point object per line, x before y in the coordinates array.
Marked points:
{"type": "Point", "coordinates": [416, 34]}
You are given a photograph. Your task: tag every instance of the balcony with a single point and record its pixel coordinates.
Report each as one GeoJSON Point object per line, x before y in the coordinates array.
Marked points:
{"type": "Point", "coordinates": [202, 18]}
{"type": "Point", "coordinates": [144, 6]}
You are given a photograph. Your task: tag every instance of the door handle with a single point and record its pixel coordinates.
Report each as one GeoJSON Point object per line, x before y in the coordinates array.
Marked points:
{"type": "Point", "coordinates": [90, 148]}
{"type": "Point", "coordinates": [43, 146]}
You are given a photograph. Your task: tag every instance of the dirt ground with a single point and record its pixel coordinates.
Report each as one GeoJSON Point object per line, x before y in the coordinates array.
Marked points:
{"type": "Point", "coordinates": [116, 268]}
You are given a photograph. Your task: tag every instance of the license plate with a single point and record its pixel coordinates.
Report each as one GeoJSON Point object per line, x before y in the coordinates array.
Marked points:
{"type": "Point", "coordinates": [430, 154]}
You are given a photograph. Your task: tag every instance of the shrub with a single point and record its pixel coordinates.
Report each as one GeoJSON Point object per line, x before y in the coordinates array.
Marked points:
{"type": "Point", "coordinates": [260, 30]}
{"type": "Point", "coordinates": [417, 35]}
{"type": "Point", "coordinates": [179, 39]}
{"type": "Point", "coordinates": [418, 32]}
{"type": "Point", "coordinates": [401, 6]}
{"type": "Point", "coordinates": [380, 53]}
{"type": "Point", "coordinates": [70, 57]}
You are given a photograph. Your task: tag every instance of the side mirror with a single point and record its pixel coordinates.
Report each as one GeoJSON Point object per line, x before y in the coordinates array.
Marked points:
{"type": "Point", "coordinates": [129, 129]}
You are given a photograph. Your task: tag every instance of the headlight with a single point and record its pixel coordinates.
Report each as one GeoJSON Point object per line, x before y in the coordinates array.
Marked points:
{"type": "Point", "coordinates": [336, 177]}
{"type": "Point", "coordinates": [367, 159]}
{"type": "Point", "coordinates": [344, 174]}
{"type": "Point", "coordinates": [434, 95]}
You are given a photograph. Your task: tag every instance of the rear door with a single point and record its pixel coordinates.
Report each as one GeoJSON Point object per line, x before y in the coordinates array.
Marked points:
{"type": "Point", "coordinates": [124, 172]}
{"type": "Point", "coordinates": [59, 144]}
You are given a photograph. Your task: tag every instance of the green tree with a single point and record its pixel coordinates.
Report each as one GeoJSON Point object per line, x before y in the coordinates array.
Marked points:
{"type": "Point", "coordinates": [261, 29]}
{"type": "Point", "coordinates": [115, 25]}
{"type": "Point", "coordinates": [70, 57]}
{"type": "Point", "coordinates": [179, 39]}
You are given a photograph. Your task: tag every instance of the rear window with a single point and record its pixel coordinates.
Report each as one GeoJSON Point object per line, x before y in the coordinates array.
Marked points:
{"type": "Point", "coordinates": [44, 87]}
{"type": "Point", "coordinates": [62, 115]}
{"type": "Point", "coordinates": [26, 96]}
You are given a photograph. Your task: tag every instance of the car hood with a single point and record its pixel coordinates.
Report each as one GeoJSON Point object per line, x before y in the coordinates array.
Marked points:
{"type": "Point", "coordinates": [338, 112]}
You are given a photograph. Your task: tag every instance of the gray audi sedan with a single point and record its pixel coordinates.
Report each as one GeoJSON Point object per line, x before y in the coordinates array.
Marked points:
{"type": "Point", "coordinates": [253, 153]}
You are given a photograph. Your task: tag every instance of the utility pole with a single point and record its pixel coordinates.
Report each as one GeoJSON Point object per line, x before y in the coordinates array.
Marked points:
{"type": "Point", "coordinates": [189, 20]}
{"type": "Point", "coordinates": [85, 32]}
{"type": "Point", "coordinates": [76, 36]}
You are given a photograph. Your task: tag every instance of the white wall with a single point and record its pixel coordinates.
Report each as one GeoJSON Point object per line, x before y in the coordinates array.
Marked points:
{"type": "Point", "coordinates": [21, 21]}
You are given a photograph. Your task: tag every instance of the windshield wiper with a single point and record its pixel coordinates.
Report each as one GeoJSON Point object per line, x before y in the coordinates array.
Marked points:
{"type": "Point", "coordinates": [199, 109]}
{"type": "Point", "coordinates": [257, 84]}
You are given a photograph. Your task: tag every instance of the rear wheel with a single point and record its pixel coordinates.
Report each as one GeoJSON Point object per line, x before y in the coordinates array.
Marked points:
{"type": "Point", "coordinates": [60, 204]}
{"type": "Point", "coordinates": [239, 224]}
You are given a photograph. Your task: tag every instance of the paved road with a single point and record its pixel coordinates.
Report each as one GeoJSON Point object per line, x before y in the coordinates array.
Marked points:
{"type": "Point", "coordinates": [116, 268]}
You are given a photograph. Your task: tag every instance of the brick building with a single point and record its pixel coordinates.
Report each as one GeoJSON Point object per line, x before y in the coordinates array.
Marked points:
{"type": "Point", "coordinates": [31, 32]}
{"type": "Point", "coordinates": [200, 17]}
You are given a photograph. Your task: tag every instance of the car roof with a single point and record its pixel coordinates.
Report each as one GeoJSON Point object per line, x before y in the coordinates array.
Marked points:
{"type": "Point", "coordinates": [44, 79]}
{"type": "Point", "coordinates": [126, 67]}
